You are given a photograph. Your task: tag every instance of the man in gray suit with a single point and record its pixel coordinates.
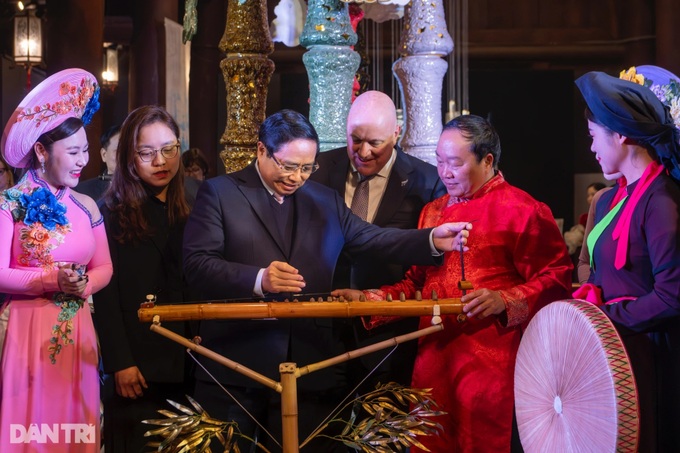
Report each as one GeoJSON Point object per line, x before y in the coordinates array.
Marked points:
{"type": "Point", "coordinates": [399, 185]}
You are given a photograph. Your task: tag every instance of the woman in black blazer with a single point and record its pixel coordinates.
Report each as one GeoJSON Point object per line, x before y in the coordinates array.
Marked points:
{"type": "Point", "coordinates": [144, 212]}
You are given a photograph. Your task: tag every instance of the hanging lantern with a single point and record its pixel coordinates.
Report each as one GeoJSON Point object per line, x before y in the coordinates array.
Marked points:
{"type": "Point", "coordinates": [27, 39]}
{"type": "Point", "coordinates": [110, 67]}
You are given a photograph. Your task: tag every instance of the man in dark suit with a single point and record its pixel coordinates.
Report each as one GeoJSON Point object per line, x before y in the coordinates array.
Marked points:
{"type": "Point", "coordinates": [399, 186]}
{"type": "Point", "coordinates": [267, 231]}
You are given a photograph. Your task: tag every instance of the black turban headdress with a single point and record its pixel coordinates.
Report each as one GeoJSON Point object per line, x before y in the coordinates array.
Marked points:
{"type": "Point", "coordinates": [635, 112]}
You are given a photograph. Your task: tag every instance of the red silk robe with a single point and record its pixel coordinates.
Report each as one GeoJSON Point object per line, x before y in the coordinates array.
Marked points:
{"type": "Point", "coordinates": [515, 248]}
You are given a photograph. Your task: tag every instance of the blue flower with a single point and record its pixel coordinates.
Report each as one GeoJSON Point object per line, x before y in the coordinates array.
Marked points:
{"type": "Point", "coordinates": [12, 194]}
{"type": "Point", "coordinates": [91, 107]}
{"type": "Point", "coordinates": [42, 206]}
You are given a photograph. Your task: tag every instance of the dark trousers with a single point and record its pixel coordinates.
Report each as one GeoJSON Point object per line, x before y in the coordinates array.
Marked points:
{"type": "Point", "coordinates": [265, 406]}
{"type": "Point", "coordinates": [386, 365]}
{"type": "Point", "coordinates": [515, 443]}
{"type": "Point", "coordinates": [123, 427]}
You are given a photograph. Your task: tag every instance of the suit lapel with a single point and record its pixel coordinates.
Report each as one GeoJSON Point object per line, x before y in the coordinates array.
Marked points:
{"type": "Point", "coordinates": [398, 186]}
{"type": "Point", "coordinates": [338, 175]}
{"type": "Point", "coordinates": [257, 195]}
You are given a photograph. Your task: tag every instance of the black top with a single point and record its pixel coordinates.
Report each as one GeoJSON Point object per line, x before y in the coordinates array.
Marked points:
{"type": "Point", "coordinates": [150, 266]}
{"type": "Point", "coordinates": [94, 187]}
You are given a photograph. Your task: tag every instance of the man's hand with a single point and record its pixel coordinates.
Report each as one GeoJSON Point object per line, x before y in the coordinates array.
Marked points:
{"type": "Point", "coordinates": [450, 236]}
{"type": "Point", "coordinates": [482, 303]}
{"type": "Point", "coordinates": [129, 382]}
{"type": "Point", "coordinates": [280, 277]}
{"type": "Point", "coordinates": [350, 295]}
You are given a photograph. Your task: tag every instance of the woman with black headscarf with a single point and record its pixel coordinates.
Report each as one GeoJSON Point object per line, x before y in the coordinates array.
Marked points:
{"type": "Point", "coordinates": [635, 247]}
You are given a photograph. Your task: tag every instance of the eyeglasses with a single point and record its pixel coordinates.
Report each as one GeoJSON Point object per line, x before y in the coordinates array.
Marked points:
{"type": "Point", "coordinates": [149, 154]}
{"type": "Point", "coordinates": [306, 169]}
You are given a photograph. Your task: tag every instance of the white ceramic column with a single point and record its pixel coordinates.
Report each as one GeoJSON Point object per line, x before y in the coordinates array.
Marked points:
{"type": "Point", "coordinates": [420, 72]}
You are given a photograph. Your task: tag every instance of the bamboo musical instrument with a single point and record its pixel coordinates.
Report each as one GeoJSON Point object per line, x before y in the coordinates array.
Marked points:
{"type": "Point", "coordinates": [335, 309]}
{"type": "Point", "coordinates": [149, 312]}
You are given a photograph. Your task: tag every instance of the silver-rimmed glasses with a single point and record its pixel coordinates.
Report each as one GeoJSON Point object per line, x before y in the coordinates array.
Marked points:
{"type": "Point", "coordinates": [149, 154]}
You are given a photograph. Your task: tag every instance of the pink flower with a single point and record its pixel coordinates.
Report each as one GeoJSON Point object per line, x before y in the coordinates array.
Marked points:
{"type": "Point", "coordinates": [64, 88]}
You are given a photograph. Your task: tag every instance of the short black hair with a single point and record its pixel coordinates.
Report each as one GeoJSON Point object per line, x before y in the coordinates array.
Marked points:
{"type": "Point", "coordinates": [105, 138]}
{"type": "Point", "coordinates": [285, 126]}
{"type": "Point", "coordinates": [481, 134]}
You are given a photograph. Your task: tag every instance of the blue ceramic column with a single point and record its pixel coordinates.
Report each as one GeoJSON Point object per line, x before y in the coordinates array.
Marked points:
{"type": "Point", "coordinates": [331, 65]}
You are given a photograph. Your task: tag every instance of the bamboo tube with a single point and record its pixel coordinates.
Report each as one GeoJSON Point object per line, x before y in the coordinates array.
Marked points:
{"type": "Point", "coordinates": [254, 375]}
{"type": "Point", "coordinates": [289, 407]}
{"type": "Point", "coordinates": [259, 310]}
{"type": "Point", "coordinates": [368, 349]}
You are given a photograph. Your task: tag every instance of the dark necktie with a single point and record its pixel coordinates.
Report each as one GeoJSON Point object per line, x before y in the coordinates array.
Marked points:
{"type": "Point", "coordinates": [360, 198]}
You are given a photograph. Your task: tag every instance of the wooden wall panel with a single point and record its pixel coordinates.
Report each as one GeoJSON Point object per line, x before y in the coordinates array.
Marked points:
{"type": "Point", "coordinates": [542, 22]}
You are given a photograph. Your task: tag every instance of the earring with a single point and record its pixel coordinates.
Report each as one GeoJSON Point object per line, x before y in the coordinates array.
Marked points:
{"type": "Point", "coordinates": [42, 166]}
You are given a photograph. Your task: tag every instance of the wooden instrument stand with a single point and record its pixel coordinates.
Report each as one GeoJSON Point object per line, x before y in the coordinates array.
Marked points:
{"type": "Point", "coordinates": [287, 386]}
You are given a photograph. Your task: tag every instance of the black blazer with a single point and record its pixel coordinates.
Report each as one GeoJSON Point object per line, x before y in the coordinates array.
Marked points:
{"type": "Point", "coordinates": [411, 185]}
{"type": "Point", "coordinates": [230, 236]}
{"type": "Point", "coordinates": [151, 266]}
{"type": "Point", "coordinates": [94, 188]}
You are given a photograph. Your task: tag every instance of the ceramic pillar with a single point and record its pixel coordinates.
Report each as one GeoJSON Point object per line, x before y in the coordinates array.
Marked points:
{"type": "Point", "coordinates": [420, 71]}
{"type": "Point", "coordinates": [247, 71]}
{"type": "Point", "coordinates": [331, 64]}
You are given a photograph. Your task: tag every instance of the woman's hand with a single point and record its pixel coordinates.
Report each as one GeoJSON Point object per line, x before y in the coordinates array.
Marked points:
{"type": "Point", "coordinates": [71, 281]}
{"type": "Point", "coordinates": [129, 382]}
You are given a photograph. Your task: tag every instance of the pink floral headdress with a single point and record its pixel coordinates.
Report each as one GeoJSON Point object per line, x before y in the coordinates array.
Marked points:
{"type": "Point", "coordinates": [66, 94]}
